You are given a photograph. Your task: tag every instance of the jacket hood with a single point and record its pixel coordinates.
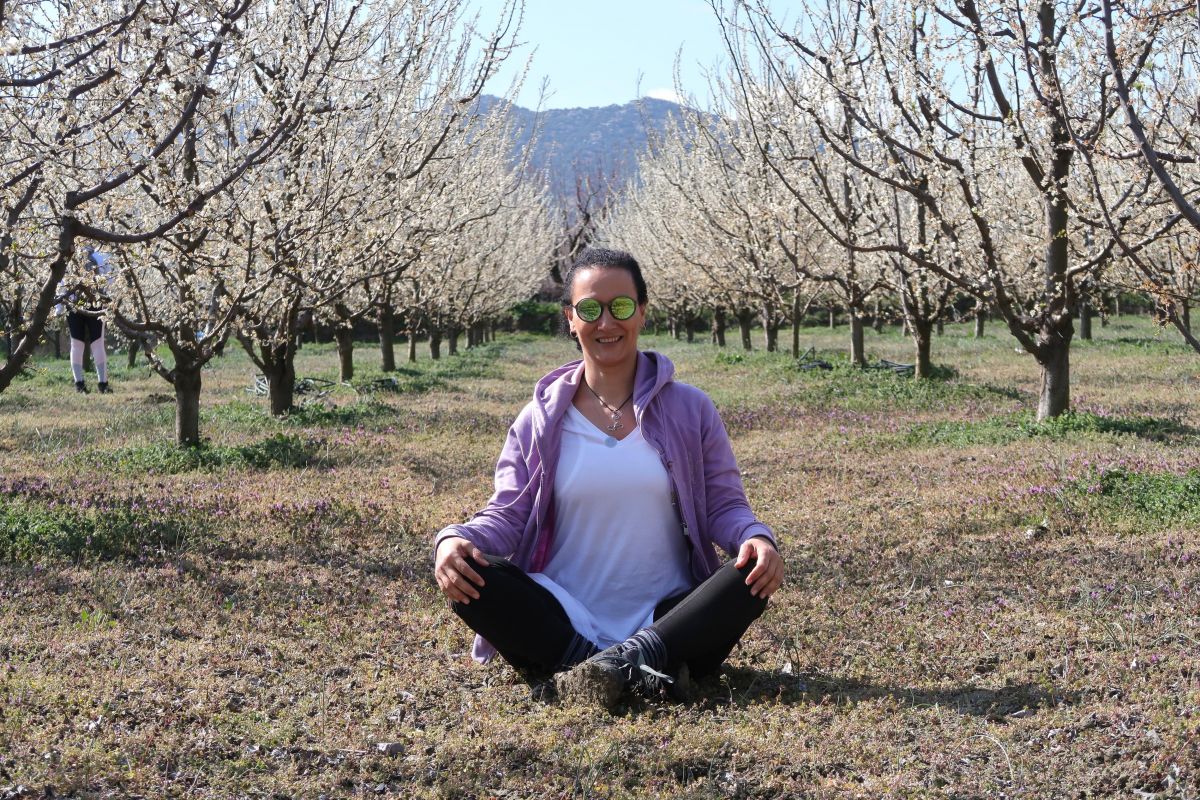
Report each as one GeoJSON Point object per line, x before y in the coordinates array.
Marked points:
{"type": "Point", "coordinates": [654, 371]}
{"type": "Point", "coordinates": [554, 393]}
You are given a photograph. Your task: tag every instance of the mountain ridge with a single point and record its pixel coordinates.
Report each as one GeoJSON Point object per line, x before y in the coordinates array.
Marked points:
{"type": "Point", "coordinates": [586, 143]}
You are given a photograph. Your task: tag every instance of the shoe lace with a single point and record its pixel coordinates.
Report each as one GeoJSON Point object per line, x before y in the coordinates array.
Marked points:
{"type": "Point", "coordinates": [645, 675]}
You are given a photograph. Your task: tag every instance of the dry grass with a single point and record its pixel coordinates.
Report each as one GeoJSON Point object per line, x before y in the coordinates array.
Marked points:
{"type": "Point", "coordinates": [923, 645]}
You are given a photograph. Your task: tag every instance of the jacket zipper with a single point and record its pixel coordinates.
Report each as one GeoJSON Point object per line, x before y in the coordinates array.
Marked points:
{"type": "Point", "coordinates": [667, 463]}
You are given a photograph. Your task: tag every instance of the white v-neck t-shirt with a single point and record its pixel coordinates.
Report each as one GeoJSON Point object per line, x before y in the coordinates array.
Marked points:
{"type": "Point", "coordinates": [618, 547]}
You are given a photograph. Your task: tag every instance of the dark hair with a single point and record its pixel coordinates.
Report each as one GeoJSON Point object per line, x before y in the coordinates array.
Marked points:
{"type": "Point", "coordinates": [603, 258]}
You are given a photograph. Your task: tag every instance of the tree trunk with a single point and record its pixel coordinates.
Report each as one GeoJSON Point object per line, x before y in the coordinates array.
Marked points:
{"type": "Point", "coordinates": [745, 318]}
{"type": "Point", "coordinates": [277, 360]}
{"type": "Point", "coordinates": [770, 328]}
{"type": "Point", "coordinates": [857, 348]}
{"type": "Point", "coordinates": [1117, 305]}
{"type": "Point", "coordinates": [832, 317]}
{"type": "Point", "coordinates": [1055, 360]}
{"type": "Point", "coordinates": [435, 343]}
{"type": "Point", "coordinates": [922, 342]}
{"type": "Point", "coordinates": [36, 324]}
{"type": "Point", "coordinates": [796, 308]}
{"type": "Point", "coordinates": [771, 336]}
{"type": "Point", "coordinates": [1057, 326]}
{"type": "Point", "coordinates": [344, 335]}
{"type": "Point", "coordinates": [1085, 320]}
{"type": "Point", "coordinates": [1185, 315]}
{"type": "Point", "coordinates": [11, 323]}
{"type": "Point", "coordinates": [131, 356]}
{"type": "Point", "coordinates": [187, 405]}
{"type": "Point", "coordinates": [57, 343]}
{"type": "Point", "coordinates": [718, 326]}
{"type": "Point", "coordinates": [412, 347]}
{"type": "Point", "coordinates": [691, 331]}
{"type": "Point", "coordinates": [980, 319]}
{"type": "Point", "coordinates": [387, 338]}
{"type": "Point", "coordinates": [877, 319]}
{"type": "Point", "coordinates": [281, 380]}
{"type": "Point", "coordinates": [452, 334]}
{"type": "Point", "coordinates": [941, 326]}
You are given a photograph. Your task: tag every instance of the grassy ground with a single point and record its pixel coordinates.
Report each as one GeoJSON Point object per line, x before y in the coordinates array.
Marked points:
{"type": "Point", "coordinates": [977, 606]}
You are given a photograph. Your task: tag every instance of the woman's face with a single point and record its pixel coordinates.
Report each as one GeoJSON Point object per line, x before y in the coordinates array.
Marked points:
{"type": "Point", "coordinates": [606, 342]}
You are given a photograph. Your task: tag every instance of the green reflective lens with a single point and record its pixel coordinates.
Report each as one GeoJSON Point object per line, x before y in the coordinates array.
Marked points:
{"type": "Point", "coordinates": [589, 309]}
{"type": "Point", "coordinates": [622, 307]}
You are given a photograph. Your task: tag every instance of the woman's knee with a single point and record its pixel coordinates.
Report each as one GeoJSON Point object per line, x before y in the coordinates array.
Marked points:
{"type": "Point", "coordinates": [498, 572]}
{"type": "Point", "coordinates": [743, 573]}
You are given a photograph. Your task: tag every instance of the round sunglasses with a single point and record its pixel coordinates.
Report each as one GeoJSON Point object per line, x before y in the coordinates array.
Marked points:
{"type": "Point", "coordinates": [622, 308]}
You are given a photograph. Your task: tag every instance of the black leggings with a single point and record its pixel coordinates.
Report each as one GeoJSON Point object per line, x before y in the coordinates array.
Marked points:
{"type": "Point", "coordinates": [529, 627]}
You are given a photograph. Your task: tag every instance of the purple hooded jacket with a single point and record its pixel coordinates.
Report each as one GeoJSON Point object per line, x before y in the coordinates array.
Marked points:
{"type": "Point", "coordinates": [678, 420]}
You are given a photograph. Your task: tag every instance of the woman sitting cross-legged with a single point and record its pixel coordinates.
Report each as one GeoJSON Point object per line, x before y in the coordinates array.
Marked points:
{"type": "Point", "coordinates": [596, 552]}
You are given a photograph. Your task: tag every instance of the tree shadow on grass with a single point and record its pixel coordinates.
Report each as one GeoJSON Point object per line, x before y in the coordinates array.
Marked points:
{"type": "Point", "coordinates": [746, 685]}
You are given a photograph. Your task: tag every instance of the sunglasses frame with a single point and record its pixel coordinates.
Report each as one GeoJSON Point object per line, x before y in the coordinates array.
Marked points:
{"type": "Point", "coordinates": [608, 305]}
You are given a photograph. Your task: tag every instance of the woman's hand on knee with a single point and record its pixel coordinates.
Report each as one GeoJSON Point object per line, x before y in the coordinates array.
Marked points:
{"type": "Point", "coordinates": [454, 571]}
{"type": "Point", "coordinates": [767, 574]}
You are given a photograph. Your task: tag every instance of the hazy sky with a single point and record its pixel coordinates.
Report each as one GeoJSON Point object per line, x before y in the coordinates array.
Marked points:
{"type": "Point", "coordinates": [594, 53]}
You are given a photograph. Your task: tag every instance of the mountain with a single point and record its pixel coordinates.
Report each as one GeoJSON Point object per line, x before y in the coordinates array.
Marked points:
{"type": "Point", "coordinates": [587, 142]}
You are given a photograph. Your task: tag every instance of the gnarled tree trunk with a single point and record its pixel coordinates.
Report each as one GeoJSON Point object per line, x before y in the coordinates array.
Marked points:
{"type": "Point", "coordinates": [745, 318]}
{"type": "Point", "coordinates": [281, 383]}
{"type": "Point", "coordinates": [1054, 357]}
{"type": "Point", "coordinates": [718, 327]}
{"type": "Point", "coordinates": [36, 323]}
{"type": "Point", "coordinates": [345, 349]}
{"type": "Point", "coordinates": [858, 353]}
{"type": "Point", "coordinates": [797, 310]}
{"type": "Point", "coordinates": [770, 328]}
{"type": "Point", "coordinates": [187, 381]}
{"type": "Point", "coordinates": [387, 338]}
{"type": "Point", "coordinates": [276, 357]}
{"type": "Point", "coordinates": [922, 344]}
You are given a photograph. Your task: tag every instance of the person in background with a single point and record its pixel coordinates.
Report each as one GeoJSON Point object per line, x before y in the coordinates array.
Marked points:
{"type": "Point", "coordinates": [595, 556]}
{"type": "Point", "coordinates": [85, 322]}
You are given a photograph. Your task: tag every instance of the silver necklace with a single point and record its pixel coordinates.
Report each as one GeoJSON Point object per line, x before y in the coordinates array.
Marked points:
{"type": "Point", "coordinates": [615, 412]}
